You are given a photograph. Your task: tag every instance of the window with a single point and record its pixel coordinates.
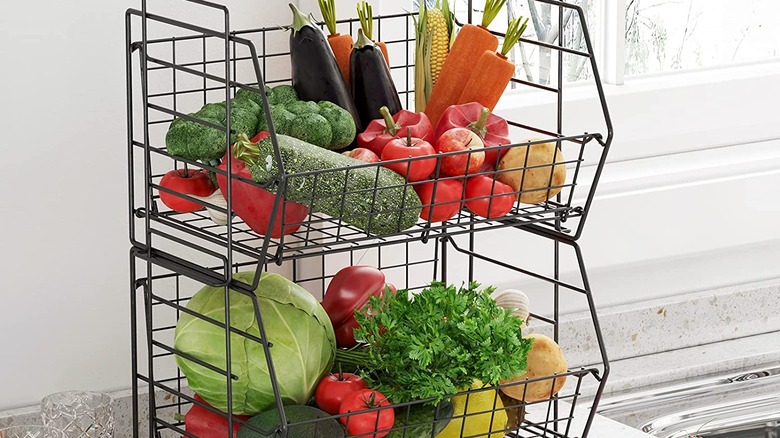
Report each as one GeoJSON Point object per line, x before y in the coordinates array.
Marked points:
{"type": "Point", "coordinates": [663, 35]}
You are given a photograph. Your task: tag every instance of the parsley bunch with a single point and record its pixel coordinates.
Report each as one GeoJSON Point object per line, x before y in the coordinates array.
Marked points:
{"type": "Point", "coordinates": [437, 342]}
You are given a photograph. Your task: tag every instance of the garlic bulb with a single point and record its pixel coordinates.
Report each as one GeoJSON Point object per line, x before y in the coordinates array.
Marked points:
{"type": "Point", "coordinates": [217, 199]}
{"type": "Point", "coordinates": [515, 300]}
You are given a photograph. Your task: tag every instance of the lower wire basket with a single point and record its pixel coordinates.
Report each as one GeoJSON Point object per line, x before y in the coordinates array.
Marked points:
{"type": "Point", "coordinates": [545, 406]}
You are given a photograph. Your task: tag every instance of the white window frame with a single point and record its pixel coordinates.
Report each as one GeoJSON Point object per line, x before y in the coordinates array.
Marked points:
{"type": "Point", "coordinates": [692, 182]}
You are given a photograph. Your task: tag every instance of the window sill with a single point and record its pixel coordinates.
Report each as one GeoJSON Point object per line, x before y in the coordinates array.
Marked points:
{"type": "Point", "coordinates": [668, 113]}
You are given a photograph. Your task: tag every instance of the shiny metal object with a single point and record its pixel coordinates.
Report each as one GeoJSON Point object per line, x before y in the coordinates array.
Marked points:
{"type": "Point", "coordinates": [742, 405]}
{"type": "Point", "coordinates": [739, 382]}
{"type": "Point", "coordinates": [759, 416]}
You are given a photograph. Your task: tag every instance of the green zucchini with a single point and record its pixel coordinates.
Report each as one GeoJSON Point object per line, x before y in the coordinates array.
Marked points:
{"type": "Point", "coordinates": [373, 199]}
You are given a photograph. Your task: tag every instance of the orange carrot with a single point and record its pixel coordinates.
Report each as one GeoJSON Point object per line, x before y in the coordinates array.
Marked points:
{"type": "Point", "coordinates": [342, 48]}
{"type": "Point", "coordinates": [383, 48]}
{"type": "Point", "coordinates": [366, 16]}
{"type": "Point", "coordinates": [491, 76]}
{"type": "Point", "coordinates": [493, 71]}
{"type": "Point", "coordinates": [340, 44]}
{"type": "Point", "coordinates": [469, 45]}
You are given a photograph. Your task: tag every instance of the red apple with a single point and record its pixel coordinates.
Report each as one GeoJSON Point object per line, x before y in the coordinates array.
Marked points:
{"type": "Point", "coordinates": [460, 139]}
{"type": "Point", "coordinates": [362, 154]}
{"type": "Point", "coordinates": [187, 182]}
{"type": "Point", "coordinates": [412, 170]}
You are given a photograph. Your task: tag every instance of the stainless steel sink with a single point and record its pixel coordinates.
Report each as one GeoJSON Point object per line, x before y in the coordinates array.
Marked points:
{"type": "Point", "coordinates": [742, 405]}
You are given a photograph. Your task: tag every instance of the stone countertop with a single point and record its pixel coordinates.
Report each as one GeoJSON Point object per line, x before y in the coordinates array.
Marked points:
{"type": "Point", "coordinates": [602, 427]}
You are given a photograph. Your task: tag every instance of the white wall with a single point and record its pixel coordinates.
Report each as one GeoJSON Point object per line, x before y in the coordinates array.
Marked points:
{"type": "Point", "coordinates": [63, 229]}
{"type": "Point", "coordinates": [64, 300]}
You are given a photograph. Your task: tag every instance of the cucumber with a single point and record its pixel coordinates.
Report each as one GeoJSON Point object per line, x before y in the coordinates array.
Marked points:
{"type": "Point", "coordinates": [305, 422]}
{"type": "Point", "coordinates": [373, 199]}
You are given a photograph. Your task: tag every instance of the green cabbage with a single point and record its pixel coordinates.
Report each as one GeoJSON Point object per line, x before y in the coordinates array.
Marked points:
{"type": "Point", "coordinates": [297, 326]}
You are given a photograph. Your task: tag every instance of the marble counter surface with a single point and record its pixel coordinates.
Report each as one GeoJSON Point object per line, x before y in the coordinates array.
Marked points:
{"type": "Point", "coordinates": [602, 427]}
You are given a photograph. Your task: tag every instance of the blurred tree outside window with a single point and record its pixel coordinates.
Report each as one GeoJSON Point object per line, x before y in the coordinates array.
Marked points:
{"type": "Point", "coordinates": [660, 35]}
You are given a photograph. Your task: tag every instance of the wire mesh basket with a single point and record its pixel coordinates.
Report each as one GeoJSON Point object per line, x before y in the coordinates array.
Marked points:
{"type": "Point", "coordinates": [175, 65]}
{"type": "Point", "coordinates": [559, 405]}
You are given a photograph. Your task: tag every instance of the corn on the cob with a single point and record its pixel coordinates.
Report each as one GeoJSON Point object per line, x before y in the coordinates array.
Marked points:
{"type": "Point", "coordinates": [440, 41]}
{"type": "Point", "coordinates": [422, 65]}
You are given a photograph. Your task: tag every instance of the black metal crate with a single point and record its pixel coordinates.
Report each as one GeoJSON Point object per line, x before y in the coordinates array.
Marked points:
{"type": "Point", "coordinates": [175, 65]}
{"type": "Point", "coordinates": [160, 297]}
{"type": "Point", "coordinates": [205, 65]}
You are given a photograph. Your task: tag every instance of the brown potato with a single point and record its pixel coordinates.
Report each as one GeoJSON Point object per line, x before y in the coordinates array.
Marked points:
{"type": "Point", "coordinates": [536, 181]}
{"type": "Point", "coordinates": [544, 359]}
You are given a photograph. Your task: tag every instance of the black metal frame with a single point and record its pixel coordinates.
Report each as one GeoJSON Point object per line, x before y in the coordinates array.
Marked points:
{"type": "Point", "coordinates": [190, 246]}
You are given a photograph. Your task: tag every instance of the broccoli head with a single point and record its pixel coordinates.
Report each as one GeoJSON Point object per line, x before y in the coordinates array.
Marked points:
{"type": "Point", "coordinates": [213, 111]}
{"type": "Point", "coordinates": [195, 141]}
{"type": "Point", "coordinates": [254, 96]}
{"type": "Point", "coordinates": [242, 120]}
{"type": "Point", "coordinates": [283, 94]}
{"type": "Point", "coordinates": [341, 123]}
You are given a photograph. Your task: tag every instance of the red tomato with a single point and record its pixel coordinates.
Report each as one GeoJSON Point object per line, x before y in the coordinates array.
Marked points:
{"type": "Point", "coordinates": [362, 154]}
{"type": "Point", "coordinates": [188, 182]}
{"type": "Point", "coordinates": [412, 170]}
{"type": "Point", "coordinates": [363, 424]}
{"type": "Point", "coordinates": [333, 389]}
{"type": "Point", "coordinates": [449, 192]}
{"type": "Point", "coordinates": [461, 139]}
{"type": "Point", "coordinates": [483, 193]}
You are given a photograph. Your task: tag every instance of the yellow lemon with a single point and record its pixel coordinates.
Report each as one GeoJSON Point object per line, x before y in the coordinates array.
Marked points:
{"type": "Point", "coordinates": [482, 407]}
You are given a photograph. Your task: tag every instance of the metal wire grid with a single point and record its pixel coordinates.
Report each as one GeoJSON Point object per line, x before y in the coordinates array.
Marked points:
{"type": "Point", "coordinates": [541, 219]}
{"type": "Point", "coordinates": [546, 217]}
{"type": "Point", "coordinates": [165, 295]}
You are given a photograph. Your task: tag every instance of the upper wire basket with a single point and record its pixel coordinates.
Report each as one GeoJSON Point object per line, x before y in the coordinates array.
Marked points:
{"type": "Point", "coordinates": [189, 65]}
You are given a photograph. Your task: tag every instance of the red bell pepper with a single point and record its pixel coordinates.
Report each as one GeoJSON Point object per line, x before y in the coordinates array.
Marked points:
{"type": "Point", "coordinates": [348, 291]}
{"type": "Point", "coordinates": [204, 423]}
{"type": "Point", "coordinates": [380, 131]}
{"type": "Point", "coordinates": [492, 129]}
{"type": "Point", "coordinates": [253, 204]}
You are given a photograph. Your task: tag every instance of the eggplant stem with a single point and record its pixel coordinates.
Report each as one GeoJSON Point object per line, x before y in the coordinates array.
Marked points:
{"type": "Point", "coordinates": [299, 19]}
{"type": "Point", "coordinates": [362, 41]}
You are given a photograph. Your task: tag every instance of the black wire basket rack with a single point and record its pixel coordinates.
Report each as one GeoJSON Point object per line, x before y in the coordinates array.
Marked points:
{"type": "Point", "coordinates": [176, 64]}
